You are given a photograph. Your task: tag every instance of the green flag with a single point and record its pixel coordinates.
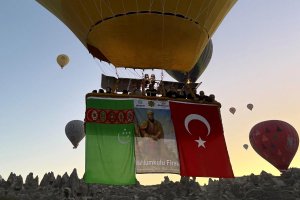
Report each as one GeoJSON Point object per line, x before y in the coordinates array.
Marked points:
{"type": "Point", "coordinates": [109, 154]}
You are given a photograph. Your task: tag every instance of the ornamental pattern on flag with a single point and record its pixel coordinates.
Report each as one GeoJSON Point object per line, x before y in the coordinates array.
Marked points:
{"type": "Point", "coordinates": [109, 116]}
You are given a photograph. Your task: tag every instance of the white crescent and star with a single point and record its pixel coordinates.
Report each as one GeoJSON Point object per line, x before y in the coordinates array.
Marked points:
{"type": "Point", "coordinates": [200, 118]}
{"type": "Point", "coordinates": [124, 138]}
{"type": "Point", "coordinates": [200, 142]}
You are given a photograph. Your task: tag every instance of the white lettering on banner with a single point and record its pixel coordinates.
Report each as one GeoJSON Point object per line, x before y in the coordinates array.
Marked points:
{"type": "Point", "coordinates": [172, 163]}
{"type": "Point", "coordinates": [157, 162]}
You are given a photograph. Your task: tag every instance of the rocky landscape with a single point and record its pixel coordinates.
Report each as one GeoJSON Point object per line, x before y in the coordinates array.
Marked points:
{"type": "Point", "coordinates": [253, 187]}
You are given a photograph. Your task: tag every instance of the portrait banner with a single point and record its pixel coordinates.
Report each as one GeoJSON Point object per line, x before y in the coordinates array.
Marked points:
{"type": "Point", "coordinates": [155, 142]}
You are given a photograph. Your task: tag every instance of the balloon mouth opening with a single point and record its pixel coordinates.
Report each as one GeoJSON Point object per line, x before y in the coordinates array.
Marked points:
{"type": "Point", "coordinates": [146, 12]}
{"type": "Point", "coordinates": [110, 36]}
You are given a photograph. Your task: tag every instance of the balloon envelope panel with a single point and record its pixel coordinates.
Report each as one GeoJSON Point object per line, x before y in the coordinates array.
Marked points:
{"type": "Point", "coordinates": [276, 141]}
{"type": "Point", "coordinates": [198, 69]}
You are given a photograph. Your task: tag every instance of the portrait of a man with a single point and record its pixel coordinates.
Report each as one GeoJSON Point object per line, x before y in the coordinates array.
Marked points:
{"type": "Point", "coordinates": [151, 127]}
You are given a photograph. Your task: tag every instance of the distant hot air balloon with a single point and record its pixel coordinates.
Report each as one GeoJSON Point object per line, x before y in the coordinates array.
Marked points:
{"type": "Point", "coordinates": [62, 60]}
{"type": "Point", "coordinates": [245, 146]}
{"type": "Point", "coordinates": [250, 106]}
{"type": "Point", "coordinates": [75, 132]}
{"type": "Point", "coordinates": [276, 141]}
{"type": "Point", "coordinates": [198, 69]}
{"type": "Point", "coordinates": [232, 110]}
{"type": "Point", "coordinates": [146, 34]}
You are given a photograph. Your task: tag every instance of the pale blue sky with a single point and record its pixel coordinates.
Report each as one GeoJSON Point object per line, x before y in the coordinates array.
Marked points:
{"type": "Point", "coordinates": [255, 59]}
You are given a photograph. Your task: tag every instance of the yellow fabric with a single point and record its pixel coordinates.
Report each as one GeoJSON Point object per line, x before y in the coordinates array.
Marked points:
{"type": "Point", "coordinates": [171, 35]}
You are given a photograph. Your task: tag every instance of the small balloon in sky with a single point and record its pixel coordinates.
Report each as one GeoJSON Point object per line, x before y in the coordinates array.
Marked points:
{"type": "Point", "coordinates": [232, 110]}
{"type": "Point", "coordinates": [75, 132]}
{"type": "Point", "coordinates": [250, 106]}
{"type": "Point", "coordinates": [245, 146]}
{"type": "Point", "coordinates": [62, 60]}
{"type": "Point", "coordinates": [276, 141]}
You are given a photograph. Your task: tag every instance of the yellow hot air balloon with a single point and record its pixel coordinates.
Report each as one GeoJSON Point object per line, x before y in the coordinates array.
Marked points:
{"type": "Point", "coordinates": [146, 34]}
{"type": "Point", "coordinates": [62, 60]}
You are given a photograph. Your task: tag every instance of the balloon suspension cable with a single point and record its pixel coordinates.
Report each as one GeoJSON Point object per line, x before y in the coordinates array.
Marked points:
{"type": "Point", "coordinates": [143, 83]}
{"type": "Point", "coordinates": [188, 80]}
{"type": "Point", "coordinates": [117, 73]}
{"type": "Point", "coordinates": [161, 84]}
{"type": "Point", "coordinates": [139, 75]}
{"type": "Point", "coordinates": [99, 65]}
{"type": "Point", "coordinates": [115, 87]}
{"type": "Point", "coordinates": [143, 79]}
{"type": "Point", "coordinates": [143, 75]}
{"type": "Point", "coordinates": [198, 85]}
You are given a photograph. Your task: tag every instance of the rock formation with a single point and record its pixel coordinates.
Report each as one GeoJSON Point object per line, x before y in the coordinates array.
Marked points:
{"type": "Point", "coordinates": [252, 187]}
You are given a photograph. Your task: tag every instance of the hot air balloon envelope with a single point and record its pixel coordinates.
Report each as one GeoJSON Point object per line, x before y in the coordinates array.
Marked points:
{"type": "Point", "coordinates": [245, 146]}
{"type": "Point", "coordinates": [198, 69]}
{"type": "Point", "coordinates": [232, 110]}
{"type": "Point", "coordinates": [250, 106]}
{"type": "Point", "coordinates": [149, 34]}
{"type": "Point", "coordinates": [62, 60]}
{"type": "Point", "coordinates": [276, 141]}
{"type": "Point", "coordinates": [75, 131]}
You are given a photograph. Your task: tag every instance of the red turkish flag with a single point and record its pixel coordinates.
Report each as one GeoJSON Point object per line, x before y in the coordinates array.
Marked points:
{"type": "Point", "coordinates": [201, 144]}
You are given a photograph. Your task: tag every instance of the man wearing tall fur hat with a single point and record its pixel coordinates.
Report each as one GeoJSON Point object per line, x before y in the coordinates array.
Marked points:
{"type": "Point", "coordinates": [151, 127]}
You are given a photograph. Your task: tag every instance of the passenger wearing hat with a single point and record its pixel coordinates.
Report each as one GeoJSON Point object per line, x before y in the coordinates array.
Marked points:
{"type": "Point", "coordinates": [151, 127]}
